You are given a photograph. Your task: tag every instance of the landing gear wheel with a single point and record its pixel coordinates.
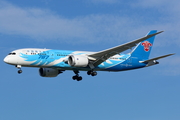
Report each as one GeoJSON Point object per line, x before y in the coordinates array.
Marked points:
{"type": "Point", "coordinates": [89, 72]}
{"type": "Point", "coordinates": [19, 71]}
{"type": "Point", "coordinates": [94, 73]}
{"type": "Point", "coordinates": [77, 77]}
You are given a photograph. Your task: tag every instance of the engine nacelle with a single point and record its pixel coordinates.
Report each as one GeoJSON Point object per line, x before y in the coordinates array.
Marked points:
{"type": "Point", "coordinates": [48, 72]}
{"type": "Point", "coordinates": [78, 61]}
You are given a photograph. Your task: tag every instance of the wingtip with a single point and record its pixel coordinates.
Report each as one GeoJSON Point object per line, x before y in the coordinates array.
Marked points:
{"type": "Point", "coordinates": [172, 54]}
{"type": "Point", "coordinates": [161, 31]}
{"type": "Point", "coordinates": [154, 32]}
{"type": "Point", "coordinates": [158, 32]}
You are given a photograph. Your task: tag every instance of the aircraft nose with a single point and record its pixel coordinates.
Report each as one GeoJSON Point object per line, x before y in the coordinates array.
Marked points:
{"type": "Point", "coordinates": [6, 60]}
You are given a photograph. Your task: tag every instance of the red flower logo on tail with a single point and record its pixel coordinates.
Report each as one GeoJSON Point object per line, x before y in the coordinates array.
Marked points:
{"type": "Point", "coordinates": [146, 45]}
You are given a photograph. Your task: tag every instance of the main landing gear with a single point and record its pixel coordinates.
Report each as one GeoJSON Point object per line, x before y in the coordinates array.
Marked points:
{"type": "Point", "coordinates": [79, 78]}
{"type": "Point", "coordinates": [92, 73]}
{"type": "Point", "coordinates": [19, 67]}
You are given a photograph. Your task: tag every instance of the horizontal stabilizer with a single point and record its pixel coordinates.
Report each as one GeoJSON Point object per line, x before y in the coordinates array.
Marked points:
{"type": "Point", "coordinates": [154, 59]}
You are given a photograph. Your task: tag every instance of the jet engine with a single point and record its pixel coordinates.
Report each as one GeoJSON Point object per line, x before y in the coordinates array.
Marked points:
{"type": "Point", "coordinates": [78, 61]}
{"type": "Point", "coordinates": [49, 72]}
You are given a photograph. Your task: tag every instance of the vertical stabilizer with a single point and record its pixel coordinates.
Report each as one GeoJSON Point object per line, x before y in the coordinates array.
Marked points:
{"type": "Point", "coordinates": [143, 49]}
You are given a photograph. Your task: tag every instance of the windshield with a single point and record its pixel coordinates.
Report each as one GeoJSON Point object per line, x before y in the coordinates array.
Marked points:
{"type": "Point", "coordinates": [13, 53]}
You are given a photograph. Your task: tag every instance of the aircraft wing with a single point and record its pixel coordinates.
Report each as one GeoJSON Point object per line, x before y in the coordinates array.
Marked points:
{"type": "Point", "coordinates": [102, 56]}
{"type": "Point", "coordinates": [146, 61]}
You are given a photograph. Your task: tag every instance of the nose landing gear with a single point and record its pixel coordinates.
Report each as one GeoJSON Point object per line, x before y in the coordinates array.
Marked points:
{"type": "Point", "coordinates": [19, 67]}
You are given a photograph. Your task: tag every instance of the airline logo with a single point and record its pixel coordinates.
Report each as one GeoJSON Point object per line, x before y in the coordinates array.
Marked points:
{"type": "Point", "coordinates": [146, 45]}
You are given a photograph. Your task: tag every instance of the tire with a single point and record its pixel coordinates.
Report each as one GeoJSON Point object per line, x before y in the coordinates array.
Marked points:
{"type": "Point", "coordinates": [79, 78]}
{"type": "Point", "coordinates": [94, 73]}
{"type": "Point", "coordinates": [89, 72]}
{"type": "Point", "coordinates": [19, 71]}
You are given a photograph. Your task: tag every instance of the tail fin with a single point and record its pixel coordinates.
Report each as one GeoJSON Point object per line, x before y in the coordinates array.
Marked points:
{"type": "Point", "coordinates": [143, 49]}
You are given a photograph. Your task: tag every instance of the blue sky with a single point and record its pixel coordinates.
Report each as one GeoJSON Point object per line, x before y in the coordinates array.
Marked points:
{"type": "Point", "coordinates": [92, 25]}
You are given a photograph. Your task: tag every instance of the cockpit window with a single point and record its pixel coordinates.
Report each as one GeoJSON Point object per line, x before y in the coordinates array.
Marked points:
{"type": "Point", "coordinates": [12, 53]}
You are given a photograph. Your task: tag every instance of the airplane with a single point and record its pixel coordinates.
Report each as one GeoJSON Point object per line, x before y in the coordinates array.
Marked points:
{"type": "Point", "coordinates": [51, 62]}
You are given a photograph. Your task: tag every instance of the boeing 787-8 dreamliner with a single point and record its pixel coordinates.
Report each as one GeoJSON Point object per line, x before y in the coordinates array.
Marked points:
{"type": "Point", "coordinates": [54, 62]}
